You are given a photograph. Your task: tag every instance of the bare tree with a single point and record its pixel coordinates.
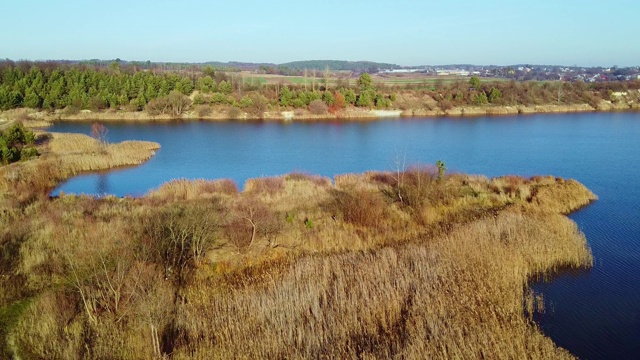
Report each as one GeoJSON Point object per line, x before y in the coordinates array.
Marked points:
{"type": "Point", "coordinates": [252, 219]}
{"type": "Point", "coordinates": [99, 132]}
{"type": "Point", "coordinates": [178, 237]}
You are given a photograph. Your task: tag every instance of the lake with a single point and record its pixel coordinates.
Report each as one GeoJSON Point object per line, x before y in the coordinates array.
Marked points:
{"type": "Point", "coordinates": [594, 314]}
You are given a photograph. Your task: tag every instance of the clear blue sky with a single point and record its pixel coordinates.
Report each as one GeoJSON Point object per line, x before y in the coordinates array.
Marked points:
{"type": "Point", "coordinates": [564, 32]}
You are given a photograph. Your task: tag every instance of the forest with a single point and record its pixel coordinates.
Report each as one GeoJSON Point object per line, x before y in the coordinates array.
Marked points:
{"type": "Point", "coordinates": [74, 87]}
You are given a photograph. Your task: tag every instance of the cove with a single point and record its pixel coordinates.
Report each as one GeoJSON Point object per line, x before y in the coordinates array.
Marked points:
{"type": "Point", "coordinates": [594, 314]}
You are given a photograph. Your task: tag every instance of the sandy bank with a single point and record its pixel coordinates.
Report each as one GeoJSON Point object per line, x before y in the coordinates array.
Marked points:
{"type": "Point", "coordinates": [32, 118]}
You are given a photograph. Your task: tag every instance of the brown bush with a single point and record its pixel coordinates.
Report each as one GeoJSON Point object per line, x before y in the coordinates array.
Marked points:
{"type": "Point", "coordinates": [445, 104]}
{"type": "Point", "coordinates": [173, 104]}
{"type": "Point", "coordinates": [318, 107]}
{"type": "Point", "coordinates": [363, 208]}
{"type": "Point", "coordinates": [204, 110]}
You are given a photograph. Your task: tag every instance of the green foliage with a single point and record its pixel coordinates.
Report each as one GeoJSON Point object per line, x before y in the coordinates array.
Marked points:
{"type": "Point", "coordinates": [28, 153]}
{"type": "Point", "coordinates": [286, 96]}
{"type": "Point", "coordinates": [365, 82]}
{"type": "Point", "coordinates": [209, 71]}
{"type": "Point", "coordinates": [198, 99]}
{"type": "Point", "coordinates": [441, 169]}
{"type": "Point", "coordinates": [225, 87]}
{"type": "Point", "coordinates": [494, 95]}
{"type": "Point", "coordinates": [9, 99]}
{"type": "Point", "coordinates": [16, 143]}
{"type": "Point", "coordinates": [57, 87]}
{"type": "Point", "coordinates": [298, 103]}
{"type": "Point", "coordinates": [308, 96]}
{"type": "Point", "coordinates": [205, 84]}
{"type": "Point", "coordinates": [349, 96]}
{"type": "Point", "coordinates": [246, 102]}
{"type": "Point", "coordinates": [382, 102]}
{"type": "Point", "coordinates": [328, 98]}
{"type": "Point", "coordinates": [474, 82]}
{"type": "Point", "coordinates": [480, 98]}
{"type": "Point", "coordinates": [31, 99]}
{"type": "Point", "coordinates": [289, 218]}
{"type": "Point", "coordinates": [366, 98]}
{"type": "Point", "coordinates": [308, 223]}
{"type": "Point", "coordinates": [220, 98]}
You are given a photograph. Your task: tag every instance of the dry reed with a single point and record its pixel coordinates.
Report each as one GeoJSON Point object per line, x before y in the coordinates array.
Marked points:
{"type": "Point", "coordinates": [293, 268]}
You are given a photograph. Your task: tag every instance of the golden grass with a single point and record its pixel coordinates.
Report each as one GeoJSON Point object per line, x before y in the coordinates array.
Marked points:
{"type": "Point", "coordinates": [294, 267]}
{"type": "Point", "coordinates": [65, 155]}
{"type": "Point", "coordinates": [184, 189]}
{"type": "Point", "coordinates": [458, 296]}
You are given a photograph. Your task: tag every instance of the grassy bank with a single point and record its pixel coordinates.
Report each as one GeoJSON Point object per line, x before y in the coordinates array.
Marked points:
{"type": "Point", "coordinates": [409, 264]}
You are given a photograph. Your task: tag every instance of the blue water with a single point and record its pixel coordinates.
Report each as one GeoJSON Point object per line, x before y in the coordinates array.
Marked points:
{"type": "Point", "coordinates": [595, 314]}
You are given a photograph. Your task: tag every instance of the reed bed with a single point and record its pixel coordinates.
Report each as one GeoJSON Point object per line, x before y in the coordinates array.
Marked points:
{"type": "Point", "coordinates": [379, 265]}
{"type": "Point", "coordinates": [65, 155]}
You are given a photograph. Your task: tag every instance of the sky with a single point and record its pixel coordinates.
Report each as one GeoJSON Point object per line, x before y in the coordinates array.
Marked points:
{"type": "Point", "coordinates": [410, 33]}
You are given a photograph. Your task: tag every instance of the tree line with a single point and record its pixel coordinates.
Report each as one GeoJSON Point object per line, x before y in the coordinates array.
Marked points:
{"type": "Point", "coordinates": [85, 87]}
{"type": "Point", "coordinates": [73, 87]}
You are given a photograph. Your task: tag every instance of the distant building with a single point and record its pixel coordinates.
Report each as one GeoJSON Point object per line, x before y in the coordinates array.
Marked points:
{"type": "Point", "coordinates": [400, 71]}
{"type": "Point", "coordinates": [452, 72]}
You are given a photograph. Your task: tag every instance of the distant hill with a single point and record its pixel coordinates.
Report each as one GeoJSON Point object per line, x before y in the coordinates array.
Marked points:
{"type": "Point", "coordinates": [238, 65]}
{"type": "Point", "coordinates": [337, 65]}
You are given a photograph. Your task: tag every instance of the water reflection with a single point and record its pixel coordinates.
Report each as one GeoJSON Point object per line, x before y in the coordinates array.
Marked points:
{"type": "Point", "coordinates": [102, 184]}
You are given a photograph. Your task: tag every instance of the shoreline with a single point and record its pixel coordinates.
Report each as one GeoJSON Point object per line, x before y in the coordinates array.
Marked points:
{"type": "Point", "coordinates": [34, 118]}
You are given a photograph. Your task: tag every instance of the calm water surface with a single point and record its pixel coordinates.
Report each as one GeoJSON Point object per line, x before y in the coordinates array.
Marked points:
{"type": "Point", "coordinates": [595, 314]}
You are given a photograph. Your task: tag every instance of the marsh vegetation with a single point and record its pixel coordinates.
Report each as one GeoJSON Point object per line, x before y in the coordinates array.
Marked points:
{"type": "Point", "coordinates": [414, 263]}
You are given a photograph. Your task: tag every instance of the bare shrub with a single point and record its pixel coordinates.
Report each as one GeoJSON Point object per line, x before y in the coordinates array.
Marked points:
{"type": "Point", "coordinates": [204, 110]}
{"type": "Point", "coordinates": [445, 104]}
{"type": "Point", "coordinates": [176, 238]}
{"type": "Point", "coordinates": [234, 113]}
{"type": "Point", "coordinates": [173, 104]}
{"type": "Point", "coordinates": [318, 107]}
{"type": "Point", "coordinates": [251, 220]}
{"type": "Point", "coordinates": [363, 208]}
{"type": "Point", "coordinates": [258, 105]}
